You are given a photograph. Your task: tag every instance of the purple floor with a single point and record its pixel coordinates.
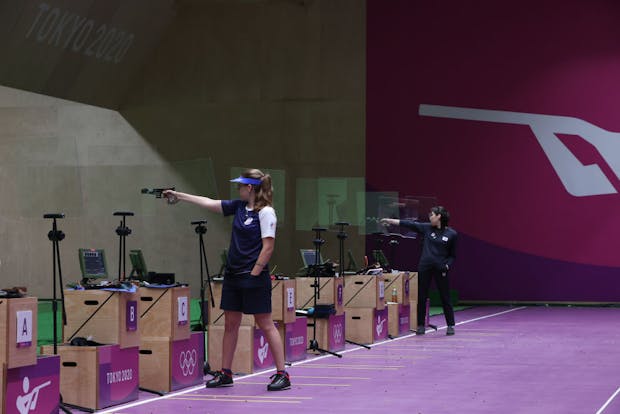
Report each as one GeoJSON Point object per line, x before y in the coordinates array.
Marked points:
{"type": "Point", "coordinates": [502, 360]}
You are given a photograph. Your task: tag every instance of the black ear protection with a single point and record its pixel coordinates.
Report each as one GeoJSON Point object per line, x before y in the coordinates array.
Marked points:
{"type": "Point", "coordinates": [78, 341]}
{"type": "Point", "coordinates": [81, 341]}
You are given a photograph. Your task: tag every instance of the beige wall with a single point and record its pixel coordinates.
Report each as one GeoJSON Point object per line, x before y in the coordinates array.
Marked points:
{"type": "Point", "coordinates": [87, 162]}
{"type": "Point", "coordinates": [275, 84]}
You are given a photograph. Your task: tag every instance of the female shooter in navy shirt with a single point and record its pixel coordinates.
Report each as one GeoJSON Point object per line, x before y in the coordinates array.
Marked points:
{"type": "Point", "coordinates": [438, 254]}
{"type": "Point", "coordinates": [247, 283]}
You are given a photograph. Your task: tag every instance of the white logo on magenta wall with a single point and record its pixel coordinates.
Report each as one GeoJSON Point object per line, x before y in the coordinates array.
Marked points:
{"type": "Point", "coordinates": [380, 323]}
{"type": "Point", "coordinates": [187, 362]}
{"type": "Point", "coordinates": [263, 350]}
{"type": "Point", "coordinates": [578, 179]}
{"type": "Point", "coordinates": [28, 402]}
{"type": "Point", "coordinates": [297, 340]}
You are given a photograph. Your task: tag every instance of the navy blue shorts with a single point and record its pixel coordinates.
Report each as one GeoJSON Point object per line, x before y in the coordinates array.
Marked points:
{"type": "Point", "coordinates": [246, 293]}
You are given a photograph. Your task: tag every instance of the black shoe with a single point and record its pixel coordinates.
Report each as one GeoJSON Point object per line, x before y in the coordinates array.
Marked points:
{"type": "Point", "coordinates": [450, 331]}
{"type": "Point", "coordinates": [279, 382]}
{"type": "Point", "coordinates": [220, 379]}
{"type": "Point", "coordinates": [420, 330]}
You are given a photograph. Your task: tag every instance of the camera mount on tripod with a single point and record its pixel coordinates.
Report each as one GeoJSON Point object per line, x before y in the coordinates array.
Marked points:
{"type": "Point", "coordinates": [54, 234]}
{"type": "Point", "coordinates": [318, 241]}
{"type": "Point", "coordinates": [201, 230]}
{"type": "Point", "coordinates": [317, 270]}
{"type": "Point", "coordinates": [200, 226]}
{"type": "Point", "coordinates": [123, 231]}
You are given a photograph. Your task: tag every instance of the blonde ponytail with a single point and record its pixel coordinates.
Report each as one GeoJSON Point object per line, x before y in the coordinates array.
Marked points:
{"type": "Point", "coordinates": [264, 192]}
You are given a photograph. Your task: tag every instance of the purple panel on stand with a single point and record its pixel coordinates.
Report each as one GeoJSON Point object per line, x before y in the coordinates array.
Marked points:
{"type": "Point", "coordinates": [118, 375]}
{"type": "Point", "coordinates": [296, 339]}
{"type": "Point", "coordinates": [187, 361]}
{"type": "Point", "coordinates": [263, 357]}
{"type": "Point", "coordinates": [380, 324]}
{"type": "Point", "coordinates": [33, 389]}
{"type": "Point", "coordinates": [336, 332]}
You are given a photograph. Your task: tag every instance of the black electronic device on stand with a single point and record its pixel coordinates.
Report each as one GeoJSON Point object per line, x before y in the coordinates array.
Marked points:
{"type": "Point", "coordinates": [123, 231]}
{"type": "Point", "coordinates": [201, 230]}
{"type": "Point", "coordinates": [314, 271]}
{"type": "Point", "coordinates": [56, 236]}
{"type": "Point", "coordinates": [342, 236]}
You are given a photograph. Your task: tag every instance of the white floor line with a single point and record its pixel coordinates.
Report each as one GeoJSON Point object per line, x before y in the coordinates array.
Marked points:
{"type": "Point", "coordinates": [600, 410]}
{"type": "Point", "coordinates": [443, 327]}
{"type": "Point", "coordinates": [119, 408]}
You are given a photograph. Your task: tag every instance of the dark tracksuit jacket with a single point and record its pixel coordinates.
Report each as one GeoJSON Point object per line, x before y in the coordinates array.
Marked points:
{"type": "Point", "coordinates": [438, 251]}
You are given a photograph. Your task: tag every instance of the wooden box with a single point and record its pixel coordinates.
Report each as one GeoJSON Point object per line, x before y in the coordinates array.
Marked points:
{"type": "Point", "coordinates": [252, 354]}
{"type": "Point", "coordinates": [243, 361]}
{"type": "Point", "coordinates": [19, 345]}
{"type": "Point", "coordinates": [413, 314]}
{"type": "Point", "coordinates": [413, 285]}
{"type": "Point", "coordinates": [283, 300]}
{"type": "Point", "coordinates": [331, 292]}
{"type": "Point", "coordinates": [399, 319]}
{"type": "Point", "coordinates": [402, 284]}
{"type": "Point", "coordinates": [364, 291]}
{"type": "Point", "coordinates": [215, 316]}
{"type": "Point", "coordinates": [2, 385]}
{"type": "Point", "coordinates": [165, 312]}
{"type": "Point", "coordinates": [109, 317]}
{"type": "Point", "coordinates": [96, 377]}
{"type": "Point", "coordinates": [330, 332]}
{"type": "Point", "coordinates": [366, 325]}
{"type": "Point", "coordinates": [155, 369]}
{"type": "Point", "coordinates": [169, 365]}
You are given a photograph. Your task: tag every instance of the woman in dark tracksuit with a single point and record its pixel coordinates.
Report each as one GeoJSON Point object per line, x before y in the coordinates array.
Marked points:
{"type": "Point", "coordinates": [438, 254]}
{"type": "Point", "coordinates": [247, 283]}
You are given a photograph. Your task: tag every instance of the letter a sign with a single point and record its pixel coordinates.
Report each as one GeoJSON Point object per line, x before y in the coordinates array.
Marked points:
{"type": "Point", "coordinates": [24, 328]}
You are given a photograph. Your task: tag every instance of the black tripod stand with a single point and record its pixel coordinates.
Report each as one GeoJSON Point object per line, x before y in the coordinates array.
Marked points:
{"type": "Point", "coordinates": [316, 272]}
{"type": "Point", "coordinates": [201, 230]}
{"type": "Point", "coordinates": [123, 231]}
{"type": "Point", "coordinates": [342, 236]}
{"type": "Point", "coordinates": [55, 236]}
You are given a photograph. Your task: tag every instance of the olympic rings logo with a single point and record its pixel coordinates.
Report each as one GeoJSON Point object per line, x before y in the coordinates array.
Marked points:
{"type": "Point", "coordinates": [187, 362]}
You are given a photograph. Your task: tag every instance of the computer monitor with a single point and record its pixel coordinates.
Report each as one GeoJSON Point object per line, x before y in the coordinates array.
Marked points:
{"type": "Point", "coordinates": [138, 264]}
{"type": "Point", "coordinates": [308, 256]}
{"type": "Point", "coordinates": [93, 264]}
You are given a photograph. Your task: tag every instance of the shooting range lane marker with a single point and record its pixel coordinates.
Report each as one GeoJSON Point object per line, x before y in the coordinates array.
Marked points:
{"type": "Point", "coordinates": [602, 409]}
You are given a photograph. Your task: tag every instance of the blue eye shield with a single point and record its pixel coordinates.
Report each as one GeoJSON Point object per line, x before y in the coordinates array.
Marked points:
{"type": "Point", "coordinates": [246, 180]}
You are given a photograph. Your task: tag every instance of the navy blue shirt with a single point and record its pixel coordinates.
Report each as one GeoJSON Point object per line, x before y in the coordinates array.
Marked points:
{"type": "Point", "coordinates": [438, 245]}
{"type": "Point", "coordinates": [246, 241]}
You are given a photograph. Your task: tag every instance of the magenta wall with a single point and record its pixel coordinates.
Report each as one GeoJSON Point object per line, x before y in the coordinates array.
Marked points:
{"type": "Point", "coordinates": [538, 217]}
